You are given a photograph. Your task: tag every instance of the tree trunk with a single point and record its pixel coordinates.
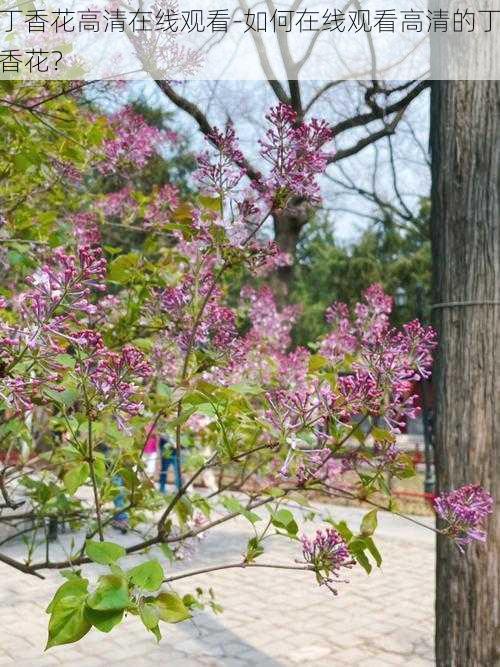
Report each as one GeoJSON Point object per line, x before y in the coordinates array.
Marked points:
{"type": "Point", "coordinates": [465, 143]}
{"type": "Point", "coordinates": [288, 224]}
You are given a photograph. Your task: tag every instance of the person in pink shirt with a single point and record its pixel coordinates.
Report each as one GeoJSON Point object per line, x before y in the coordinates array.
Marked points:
{"type": "Point", "coordinates": [150, 454]}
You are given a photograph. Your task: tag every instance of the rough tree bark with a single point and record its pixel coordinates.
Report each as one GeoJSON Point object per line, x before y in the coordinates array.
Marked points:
{"type": "Point", "coordinates": [465, 143]}
{"type": "Point", "coordinates": [288, 225]}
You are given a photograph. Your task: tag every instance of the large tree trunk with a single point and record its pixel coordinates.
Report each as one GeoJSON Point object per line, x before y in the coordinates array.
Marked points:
{"type": "Point", "coordinates": [465, 143]}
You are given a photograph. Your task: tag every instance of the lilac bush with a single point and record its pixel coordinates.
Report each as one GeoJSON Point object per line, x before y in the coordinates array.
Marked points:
{"type": "Point", "coordinates": [113, 347]}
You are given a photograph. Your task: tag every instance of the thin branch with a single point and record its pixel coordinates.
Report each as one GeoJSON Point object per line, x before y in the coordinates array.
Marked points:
{"type": "Point", "coordinates": [243, 565]}
{"type": "Point", "coordinates": [278, 89]}
{"type": "Point", "coordinates": [195, 112]}
{"type": "Point", "coordinates": [183, 489]}
{"type": "Point", "coordinates": [380, 112]}
{"type": "Point", "coordinates": [386, 131]}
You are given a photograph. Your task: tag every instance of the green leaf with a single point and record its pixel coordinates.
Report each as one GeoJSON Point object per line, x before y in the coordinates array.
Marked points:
{"type": "Point", "coordinates": [254, 550]}
{"type": "Point", "coordinates": [275, 492]}
{"type": "Point", "coordinates": [246, 389]}
{"type": "Point", "coordinates": [211, 203]}
{"type": "Point", "coordinates": [382, 434]}
{"type": "Point", "coordinates": [168, 552]}
{"type": "Point", "coordinates": [66, 397]}
{"type": "Point", "coordinates": [104, 621]}
{"type": "Point", "coordinates": [104, 553]}
{"type": "Point", "coordinates": [76, 476]}
{"type": "Point", "coordinates": [284, 519]}
{"type": "Point", "coordinates": [67, 623]}
{"type": "Point", "coordinates": [75, 586]}
{"type": "Point", "coordinates": [183, 509]}
{"type": "Point", "coordinates": [369, 523]}
{"type": "Point", "coordinates": [357, 548]}
{"type": "Point", "coordinates": [150, 615]}
{"type": "Point", "coordinates": [316, 361]}
{"type": "Point", "coordinates": [122, 268]}
{"type": "Point", "coordinates": [111, 594]}
{"type": "Point", "coordinates": [370, 545]}
{"type": "Point", "coordinates": [148, 576]}
{"type": "Point", "coordinates": [234, 505]}
{"type": "Point", "coordinates": [65, 360]}
{"type": "Point", "coordinates": [206, 409]}
{"type": "Point", "coordinates": [405, 468]}
{"type": "Point", "coordinates": [172, 608]}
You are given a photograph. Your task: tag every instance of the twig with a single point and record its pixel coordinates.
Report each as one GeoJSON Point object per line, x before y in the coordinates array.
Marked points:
{"type": "Point", "coordinates": [243, 565]}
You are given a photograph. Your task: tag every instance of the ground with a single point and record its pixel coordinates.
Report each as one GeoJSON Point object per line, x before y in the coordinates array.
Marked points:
{"type": "Point", "coordinates": [271, 618]}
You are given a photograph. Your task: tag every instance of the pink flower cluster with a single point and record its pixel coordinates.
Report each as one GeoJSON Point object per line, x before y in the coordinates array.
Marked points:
{"type": "Point", "coordinates": [270, 326]}
{"type": "Point", "coordinates": [160, 209]}
{"type": "Point", "coordinates": [261, 355]}
{"type": "Point", "coordinates": [387, 361]}
{"type": "Point", "coordinates": [216, 327]}
{"type": "Point", "coordinates": [114, 376]}
{"type": "Point", "coordinates": [327, 552]}
{"type": "Point", "coordinates": [134, 143]}
{"type": "Point", "coordinates": [464, 511]}
{"type": "Point", "coordinates": [59, 296]}
{"type": "Point", "coordinates": [85, 229]}
{"type": "Point", "coordinates": [268, 258]}
{"type": "Point", "coordinates": [19, 393]}
{"type": "Point", "coordinates": [68, 172]}
{"type": "Point", "coordinates": [295, 152]}
{"type": "Point", "coordinates": [220, 174]}
{"type": "Point", "coordinates": [115, 204]}
{"type": "Point", "coordinates": [68, 280]}
{"type": "Point", "coordinates": [320, 464]}
{"type": "Point", "coordinates": [293, 410]}
{"type": "Point", "coordinates": [356, 394]}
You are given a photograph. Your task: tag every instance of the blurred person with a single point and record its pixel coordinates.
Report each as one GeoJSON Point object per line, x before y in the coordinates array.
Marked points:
{"type": "Point", "coordinates": [169, 457]}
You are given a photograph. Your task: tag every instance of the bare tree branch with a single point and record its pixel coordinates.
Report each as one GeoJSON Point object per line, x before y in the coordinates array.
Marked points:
{"type": "Point", "coordinates": [197, 114]}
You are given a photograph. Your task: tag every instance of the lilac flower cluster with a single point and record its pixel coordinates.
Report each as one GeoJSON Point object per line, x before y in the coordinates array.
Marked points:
{"type": "Point", "coordinates": [387, 361]}
{"type": "Point", "coordinates": [293, 150]}
{"type": "Point", "coordinates": [262, 352]}
{"type": "Point", "coordinates": [464, 511]}
{"type": "Point", "coordinates": [85, 229]}
{"type": "Point", "coordinates": [114, 377]}
{"type": "Point", "coordinates": [268, 323]}
{"type": "Point", "coordinates": [216, 327]}
{"type": "Point", "coordinates": [160, 209]}
{"type": "Point", "coordinates": [220, 176]}
{"type": "Point", "coordinates": [295, 153]}
{"type": "Point", "coordinates": [59, 294]}
{"type": "Point", "coordinates": [68, 279]}
{"type": "Point", "coordinates": [114, 204]}
{"type": "Point", "coordinates": [327, 552]}
{"type": "Point", "coordinates": [134, 142]}
{"type": "Point", "coordinates": [320, 464]}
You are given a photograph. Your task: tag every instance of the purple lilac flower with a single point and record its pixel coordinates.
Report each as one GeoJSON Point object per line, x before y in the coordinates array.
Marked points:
{"type": "Point", "coordinates": [327, 552]}
{"type": "Point", "coordinates": [464, 511]}
{"type": "Point", "coordinates": [295, 153]}
{"type": "Point", "coordinates": [219, 174]}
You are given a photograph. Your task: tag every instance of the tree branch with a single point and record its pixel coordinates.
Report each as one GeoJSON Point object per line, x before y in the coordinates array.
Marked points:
{"type": "Point", "coordinates": [199, 117]}
{"type": "Point", "coordinates": [243, 565]}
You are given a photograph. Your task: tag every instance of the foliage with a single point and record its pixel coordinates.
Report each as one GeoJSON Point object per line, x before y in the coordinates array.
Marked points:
{"type": "Point", "coordinates": [326, 270]}
{"type": "Point", "coordinates": [101, 347]}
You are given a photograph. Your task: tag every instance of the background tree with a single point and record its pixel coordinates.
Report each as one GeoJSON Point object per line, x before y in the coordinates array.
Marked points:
{"type": "Point", "coordinates": [465, 140]}
{"type": "Point", "coordinates": [327, 270]}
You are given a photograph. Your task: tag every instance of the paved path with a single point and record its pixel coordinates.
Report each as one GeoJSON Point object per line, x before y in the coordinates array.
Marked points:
{"type": "Point", "coordinates": [270, 619]}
